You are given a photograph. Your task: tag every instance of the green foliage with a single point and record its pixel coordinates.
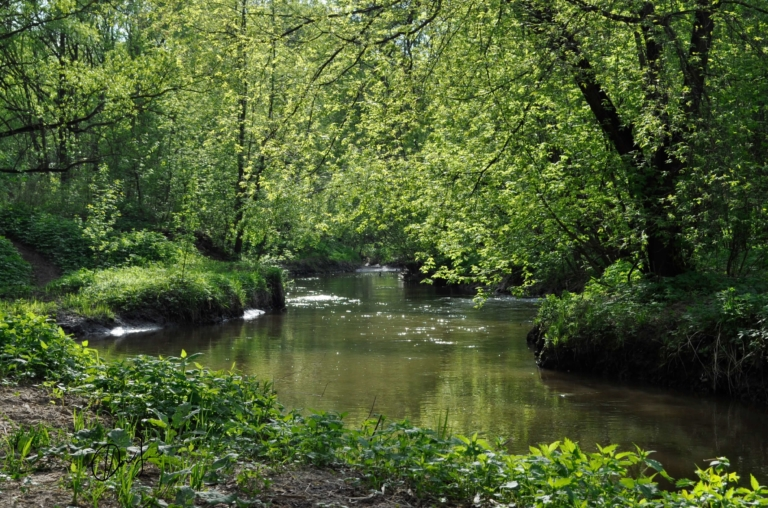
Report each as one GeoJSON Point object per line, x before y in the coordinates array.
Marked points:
{"type": "Point", "coordinates": [138, 248]}
{"type": "Point", "coordinates": [22, 448]}
{"type": "Point", "coordinates": [71, 245]}
{"type": "Point", "coordinates": [61, 240]}
{"type": "Point", "coordinates": [15, 273]}
{"type": "Point", "coordinates": [328, 249]}
{"type": "Point", "coordinates": [33, 348]}
{"type": "Point", "coordinates": [103, 213]}
{"type": "Point", "coordinates": [201, 291]}
{"type": "Point", "coordinates": [178, 394]}
{"type": "Point", "coordinates": [25, 306]}
{"type": "Point", "coordinates": [713, 326]}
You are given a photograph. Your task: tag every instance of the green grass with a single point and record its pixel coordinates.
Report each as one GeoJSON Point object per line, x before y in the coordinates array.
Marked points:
{"type": "Point", "coordinates": [204, 428]}
{"type": "Point", "coordinates": [197, 291]}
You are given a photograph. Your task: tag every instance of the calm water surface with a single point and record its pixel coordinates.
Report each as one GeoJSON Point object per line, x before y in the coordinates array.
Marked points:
{"type": "Point", "coordinates": [353, 342]}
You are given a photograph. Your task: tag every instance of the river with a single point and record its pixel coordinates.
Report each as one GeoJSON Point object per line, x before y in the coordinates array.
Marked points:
{"type": "Point", "coordinates": [368, 343]}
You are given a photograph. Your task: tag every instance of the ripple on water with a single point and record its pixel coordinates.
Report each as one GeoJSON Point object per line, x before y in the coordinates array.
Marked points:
{"type": "Point", "coordinates": [125, 330]}
{"type": "Point", "coordinates": [320, 300]}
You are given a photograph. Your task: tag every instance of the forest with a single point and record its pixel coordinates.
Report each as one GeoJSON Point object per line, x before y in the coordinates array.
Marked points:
{"type": "Point", "coordinates": [608, 157]}
{"type": "Point", "coordinates": [533, 141]}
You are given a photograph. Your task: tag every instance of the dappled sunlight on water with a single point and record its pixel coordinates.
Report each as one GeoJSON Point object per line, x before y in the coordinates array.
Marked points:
{"type": "Point", "coordinates": [368, 343]}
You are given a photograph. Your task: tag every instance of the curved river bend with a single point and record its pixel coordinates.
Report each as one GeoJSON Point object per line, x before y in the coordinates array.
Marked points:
{"type": "Point", "coordinates": [351, 342]}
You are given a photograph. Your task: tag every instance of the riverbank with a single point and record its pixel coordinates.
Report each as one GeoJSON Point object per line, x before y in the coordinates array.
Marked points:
{"type": "Point", "coordinates": [135, 279]}
{"type": "Point", "coordinates": [210, 438]}
{"type": "Point", "coordinates": [89, 302]}
{"type": "Point", "coordinates": [699, 332]}
{"type": "Point", "coordinates": [279, 485]}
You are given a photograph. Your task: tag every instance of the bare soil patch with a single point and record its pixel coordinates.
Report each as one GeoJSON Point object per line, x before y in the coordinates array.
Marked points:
{"type": "Point", "coordinates": [308, 488]}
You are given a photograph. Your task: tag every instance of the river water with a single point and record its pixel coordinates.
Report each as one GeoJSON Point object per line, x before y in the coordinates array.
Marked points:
{"type": "Point", "coordinates": [367, 343]}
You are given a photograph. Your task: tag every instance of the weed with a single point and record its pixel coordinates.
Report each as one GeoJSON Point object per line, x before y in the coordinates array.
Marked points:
{"type": "Point", "coordinates": [23, 448]}
{"type": "Point", "coordinates": [77, 478]}
{"type": "Point", "coordinates": [251, 480]}
{"type": "Point", "coordinates": [31, 347]}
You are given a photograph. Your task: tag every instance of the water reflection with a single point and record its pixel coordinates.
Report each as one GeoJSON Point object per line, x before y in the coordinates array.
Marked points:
{"type": "Point", "coordinates": [418, 352]}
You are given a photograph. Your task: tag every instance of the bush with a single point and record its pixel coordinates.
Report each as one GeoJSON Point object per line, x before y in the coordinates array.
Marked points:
{"type": "Point", "coordinates": [64, 242]}
{"type": "Point", "coordinates": [15, 273]}
{"type": "Point", "coordinates": [31, 347]}
{"type": "Point", "coordinates": [61, 240]}
{"type": "Point", "coordinates": [699, 331]}
{"type": "Point", "coordinates": [138, 248]}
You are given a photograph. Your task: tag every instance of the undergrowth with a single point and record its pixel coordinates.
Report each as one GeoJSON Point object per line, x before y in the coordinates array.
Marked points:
{"type": "Point", "coordinates": [134, 275]}
{"type": "Point", "coordinates": [696, 330]}
{"type": "Point", "coordinates": [66, 243]}
{"type": "Point", "coordinates": [15, 273]}
{"type": "Point", "coordinates": [202, 429]}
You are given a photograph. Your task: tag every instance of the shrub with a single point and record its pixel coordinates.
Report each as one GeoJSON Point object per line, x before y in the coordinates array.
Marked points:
{"type": "Point", "coordinates": [702, 331]}
{"type": "Point", "coordinates": [15, 273]}
{"type": "Point", "coordinates": [138, 248]}
{"type": "Point", "coordinates": [31, 347]}
{"type": "Point", "coordinates": [64, 242]}
{"type": "Point", "coordinates": [59, 239]}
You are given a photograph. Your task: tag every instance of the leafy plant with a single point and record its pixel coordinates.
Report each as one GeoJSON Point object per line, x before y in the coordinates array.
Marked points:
{"type": "Point", "coordinates": [15, 273]}
{"type": "Point", "coordinates": [32, 347]}
{"type": "Point", "coordinates": [22, 448]}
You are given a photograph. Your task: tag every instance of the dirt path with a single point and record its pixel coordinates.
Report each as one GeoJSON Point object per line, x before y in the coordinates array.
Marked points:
{"type": "Point", "coordinates": [43, 271]}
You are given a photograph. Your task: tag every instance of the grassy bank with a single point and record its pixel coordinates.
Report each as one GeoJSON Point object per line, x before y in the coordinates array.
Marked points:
{"type": "Point", "coordinates": [702, 332]}
{"type": "Point", "coordinates": [130, 276]}
{"type": "Point", "coordinates": [217, 437]}
{"type": "Point", "coordinates": [198, 292]}
{"type": "Point", "coordinates": [202, 291]}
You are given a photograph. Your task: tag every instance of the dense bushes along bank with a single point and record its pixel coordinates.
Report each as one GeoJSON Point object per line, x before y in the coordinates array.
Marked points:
{"type": "Point", "coordinates": [203, 431]}
{"type": "Point", "coordinates": [696, 331]}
